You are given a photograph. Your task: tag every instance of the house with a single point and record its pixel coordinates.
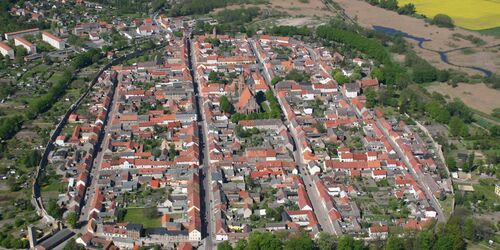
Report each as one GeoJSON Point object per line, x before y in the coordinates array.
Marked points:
{"type": "Point", "coordinates": [368, 83]}
{"type": "Point", "coordinates": [304, 201]}
{"type": "Point", "coordinates": [134, 231]}
{"type": "Point", "coordinates": [379, 174]}
{"type": "Point", "coordinates": [351, 90]}
{"type": "Point", "coordinates": [60, 140]}
{"type": "Point", "coordinates": [276, 226]}
{"type": "Point", "coordinates": [93, 36]}
{"type": "Point", "coordinates": [430, 212]}
{"type": "Point", "coordinates": [378, 232]}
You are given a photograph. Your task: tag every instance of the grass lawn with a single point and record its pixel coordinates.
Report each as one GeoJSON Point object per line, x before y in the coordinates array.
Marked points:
{"type": "Point", "coordinates": [447, 205]}
{"type": "Point", "coordinates": [42, 68]}
{"type": "Point", "coordinates": [371, 189]}
{"type": "Point", "coordinates": [266, 107]}
{"type": "Point", "coordinates": [55, 186]}
{"type": "Point", "coordinates": [56, 77]}
{"type": "Point", "coordinates": [486, 188]}
{"type": "Point", "coordinates": [136, 215]}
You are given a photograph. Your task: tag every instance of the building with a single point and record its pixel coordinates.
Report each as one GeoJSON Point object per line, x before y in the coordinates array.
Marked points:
{"type": "Point", "coordinates": [497, 189]}
{"type": "Point", "coordinates": [19, 41]}
{"type": "Point", "coordinates": [5, 50]}
{"type": "Point", "coordinates": [53, 40]}
{"type": "Point", "coordinates": [378, 232]}
{"type": "Point", "coordinates": [55, 240]}
{"type": "Point", "coordinates": [21, 33]}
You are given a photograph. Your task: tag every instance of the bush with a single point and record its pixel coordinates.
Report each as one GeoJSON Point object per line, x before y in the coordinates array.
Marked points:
{"type": "Point", "coordinates": [443, 20]}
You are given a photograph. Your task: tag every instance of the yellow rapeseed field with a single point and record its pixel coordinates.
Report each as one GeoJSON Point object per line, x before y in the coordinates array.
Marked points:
{"type": "Point", "coordinates": [469, 14]}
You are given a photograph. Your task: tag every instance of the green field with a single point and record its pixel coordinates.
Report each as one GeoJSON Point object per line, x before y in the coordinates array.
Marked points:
{"type": "Point", "coordinates": [136, 215]}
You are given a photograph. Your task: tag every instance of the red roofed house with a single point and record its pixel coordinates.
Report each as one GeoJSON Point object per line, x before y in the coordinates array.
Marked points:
{"type": "Point", "coordinates": [378, 232]}
{"type": "Point", "coordinates": [379, 174]}
{"type": "Point", "coordinates": [19, 41]}
{"type": "Point", "coordinates": [304, 201]}
{"type": "Point", "coordinates": [5, 50]}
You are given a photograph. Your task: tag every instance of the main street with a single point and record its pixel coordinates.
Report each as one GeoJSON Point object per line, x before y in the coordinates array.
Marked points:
{"type": "Point", "coordinates": [418, 176]}
{"type": "Point", "coordinates": [318, 207]}
{"type": "Point", "coordinates": [94, 173]}
{"type": "Point", "coordinates": [206, 182]}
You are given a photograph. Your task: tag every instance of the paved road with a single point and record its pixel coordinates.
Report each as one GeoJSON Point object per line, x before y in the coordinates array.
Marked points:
{"type": "Point", "coordinates": [319, 209]}
{"type": "Point", "coordinates": [418, 176]}
{"type": "Point", "coordinates": [207, 195]}
{"type": "Point", "coordinates": [99, 159]}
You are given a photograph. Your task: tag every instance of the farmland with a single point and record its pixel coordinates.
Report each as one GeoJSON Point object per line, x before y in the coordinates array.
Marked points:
{"type": "Point", "coordinates": [477, 96]}
{"type": "Point", "coordinates": [469, 14]}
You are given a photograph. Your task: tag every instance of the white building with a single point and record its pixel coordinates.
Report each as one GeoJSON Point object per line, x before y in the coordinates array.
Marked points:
{"type": "Point", "coordinates": [20, 33]}
{"type": "Point", "coordinates": [53, 40]}
{"type": "Point", "coordinates": [5, 50]}
{"type": "Point", "coordinates": [19, 41]}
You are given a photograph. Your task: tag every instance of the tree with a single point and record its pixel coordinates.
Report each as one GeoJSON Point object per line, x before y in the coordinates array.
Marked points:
{"type": "Point", "coordinates": [469, 229]}
{"type": "Point", "coordinates": [451, 163]}
{"type": "Point", "coordinates": [30, 158]}
{"type": "Point", "coordinates": [443, 20]}
{"type": "Point", "coordinates": [458, 127]}
{"type": "Point", "coordinates": [121, 212]}
{"type": "Point", "coordinates": [297, 75]}
{"type": "Point", "coordinates": [340, 78]}
{"type": "Point", "coordinates": [72, 219]}
{"type": "Point", "coordinates": [424, 240]}
{"type": "Point", "coordinates": [407, 9]}
{"type": "Point", "coordinates": [241, 245]}
{"type": "Point", "coordinates": [371, 98]}
{"type": "Point", "coordinates": [72, 245]}
{"type": "Point", "coordinates": [151, 212]}
{"type": "Point", "coordinates": [300, 241]}
{"type": "Point", "coordinates": [172, 152]}
{"type": "Point", "coordinates": [225, 245]}
{"type": "Point", "coordinates": [450, 236]}
{"type": "Point", "coordinates": [225, 105]}
{"type": "Point", "coordinates": [378, 74]}
{"type": "Point", "coordinates": [394, 243]}
{"type": "Point", "coordinates": [276, 79]}
{"type": "Point", "coordinates": [213, 76]}
{"type": "Point", "coordinates": [54, 210]}
{"type": "Point", "coordinates": [349, 243]}
{"type": "Point", "coordinates": [263, 241]}
{"type": "Point", "coordinates": [325, 241]}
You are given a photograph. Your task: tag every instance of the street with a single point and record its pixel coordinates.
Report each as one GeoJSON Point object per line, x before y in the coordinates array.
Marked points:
{"type": "Point", "coordinates": [94, 172]}
{"type": "Point", "coordinates": [207, 214]}
{"type": "Point", "coordinates": [319, 209]}
{"type": "Point", "coordinates": [418, 177]}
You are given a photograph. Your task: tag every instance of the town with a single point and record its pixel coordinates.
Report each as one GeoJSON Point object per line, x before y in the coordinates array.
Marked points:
{"type": "Point", "coordinates": [260, 137]}
{"type": "Point", "coordinates": [182, 137]}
